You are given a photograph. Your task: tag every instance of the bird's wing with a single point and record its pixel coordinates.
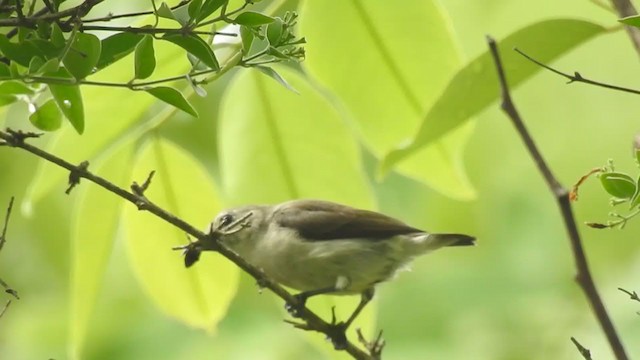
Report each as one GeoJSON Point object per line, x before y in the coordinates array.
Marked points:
{"type": "Point", "coordinates": [322, 220]}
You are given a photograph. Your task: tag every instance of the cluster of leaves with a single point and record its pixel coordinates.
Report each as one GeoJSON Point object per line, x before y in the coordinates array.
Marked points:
{"type": "Point", "coordinates": [624, 189]}
{"type": "Point", "coordinates": [50, 54]}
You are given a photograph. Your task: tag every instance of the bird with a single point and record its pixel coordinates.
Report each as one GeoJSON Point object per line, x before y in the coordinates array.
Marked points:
{"type": "Point", "coordinates": [321, 247]}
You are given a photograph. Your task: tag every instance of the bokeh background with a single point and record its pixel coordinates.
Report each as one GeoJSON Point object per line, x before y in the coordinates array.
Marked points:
{"type": "Point", "coordinates": [511, 297]}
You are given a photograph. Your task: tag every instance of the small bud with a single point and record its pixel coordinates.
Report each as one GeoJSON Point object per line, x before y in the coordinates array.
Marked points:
{"type": "Point", "coordinates": [596, 225]}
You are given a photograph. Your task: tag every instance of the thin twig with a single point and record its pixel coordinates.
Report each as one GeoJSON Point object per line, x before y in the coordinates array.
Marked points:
{"type": "Point", "coordinates": [3, 240]}
{"type": "Point", "coordinates": [3, 237]}
{"type": "Point", "coordinates": [313, 321]}
{"type": "Point", "coordinates": [577, 77]}
{"type": "Point", "coordinates": [586, 354]}
{"type": "Point", "coordinates": [583, 275]}
{"type": "Point", "coordinates": [625, 8]}
{"type": "Point", "coordinates": [4, 309]}
{"type": "Point", "coordinates": [632, 294]}
{"type": "Point", "coordinates": [135, 14]}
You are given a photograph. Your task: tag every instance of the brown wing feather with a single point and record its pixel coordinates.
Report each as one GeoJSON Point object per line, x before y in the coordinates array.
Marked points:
{"type": "Point", "coordinates": [323, 220]}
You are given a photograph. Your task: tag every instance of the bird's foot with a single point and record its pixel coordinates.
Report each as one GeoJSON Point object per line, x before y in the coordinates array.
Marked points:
{"type": "Point", "coordinates": [296, 309]}
{"type": "Point", "coordinates": [374, 347]}
{"type": "Point", "coordinates": [337, 332]}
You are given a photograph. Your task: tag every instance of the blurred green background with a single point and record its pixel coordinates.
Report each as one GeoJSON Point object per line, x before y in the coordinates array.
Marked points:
{"type": "Point", "coordinates": [511, 297]}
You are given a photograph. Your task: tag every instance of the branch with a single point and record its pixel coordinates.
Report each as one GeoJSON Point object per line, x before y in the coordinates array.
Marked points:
{"type": "Point", "coordinates": [17, 139]}
{"type": "Point", "coordinates": [576, 77]}
{"type": "Point", "coordinates": [625, 8]}
{"type": "Point", "coordinates": [632, 294]}
{"type": "Point", "coordinates": [3, 240]}
{"type": "Point", "coordinates": [586, 354]}
{"type": "Point", "coordinates": [583, 275]}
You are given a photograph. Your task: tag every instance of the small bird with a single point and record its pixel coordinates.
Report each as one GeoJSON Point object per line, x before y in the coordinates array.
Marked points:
{"type": "Point", "coordinates": [321, 247]}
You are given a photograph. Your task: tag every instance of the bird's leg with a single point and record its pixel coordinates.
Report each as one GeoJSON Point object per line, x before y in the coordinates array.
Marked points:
{"type": "Point", "coordinates": [365, 297]}
{"type": "Point", "coordinates": [295, 309]}
{"type": "Point", "coordinates": [339, 330]}
{"type": "Point", "coordinates": [342, 282]}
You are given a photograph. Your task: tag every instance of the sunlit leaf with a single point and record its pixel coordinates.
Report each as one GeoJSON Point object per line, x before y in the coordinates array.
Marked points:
{"type": "Point", "coordinates": [208, 8]}
{"type": "Point", "coordinates": [145, 58]}
{"type": "Point", "coordinates": [619, 185]}
{"type": "Point", "coordinates": [5, 72]}
{"type": "Point", "coordinates": [395, 80]}
{"type": "Point", "coordinates": [109, 123]}
{"type": "Point", "coordinates": [95, 220]}
{"type": "Point", "coordinates": [475, 86]}
{"type": "Point", "coordinates": [83, 55]}
{"type": "Point", "coordinates": [69, 100]}
{"type": "Point", "coordinates": [20, 53]}
{"type": "Point", "coordinates": [250, 18]}
{"type": "Point", "coordinates": [116, 47]}
{"type": "Point", "coordinates": [15, 88]}
{"type": "Point", "coordinates": [194, 8]}
{"type": "Point", "coordinates": [7, 99]}
{"type": "Point", "coordinates": [270, 72]}
{"type": "Point", "coordinates": [165, 11]}
{"type": "Point", "coordinates": [277, 145]}
{"type": "Point", "coordinates": [196, 46]}
{"type": "Point", "coordinates": [173, 97]}
{"type": "Point", "coordinates": [47, 116]}
{"type": "Point", "coordinates": [199, 295]}
{"type": "Point", "coordinates": [631, 20]}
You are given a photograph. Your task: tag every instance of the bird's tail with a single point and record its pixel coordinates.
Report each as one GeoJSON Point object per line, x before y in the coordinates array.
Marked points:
{"type": "Point", "coordinates": [454, 239]}
{"type": "Point", "coordinates": [423, 242]}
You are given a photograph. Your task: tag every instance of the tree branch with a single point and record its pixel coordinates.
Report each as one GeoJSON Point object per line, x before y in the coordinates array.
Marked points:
{"type": "Point", "coordinates": [577, 77]}
{"type": "Point", "coordinates": [583, 275]}
{"type": "Point", "coordinates": [17, 139]}
{"type": "Point", "coordinates": [3, 240]}
{"type": "Point", "coordinates": [586, 354]}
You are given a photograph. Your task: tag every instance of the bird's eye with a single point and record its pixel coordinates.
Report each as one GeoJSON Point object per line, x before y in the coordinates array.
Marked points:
{"type": "Point", "coordinates": [225, 220]}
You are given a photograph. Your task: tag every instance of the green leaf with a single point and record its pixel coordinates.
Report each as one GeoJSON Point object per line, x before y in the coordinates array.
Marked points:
{"type": "Point", "coordinates": [395, 81]}
{"type": "Point", "coordinates": [194, 9]}
{"type": "Point", "coordinates": [208, 8]}
{"type": "Point", "coordinates": [247, 39]}
{"type": "Point", "coordinates": [635, 199]}
{"type": "Point", "coordinates": [275, 145]}
{"type": "Point", "coordinates": [129, 108]}
{"type": "Point", "coordinates": [20, 53]}
{"type": "Point", "coordinates": [145, 59]}
{"type": "Point", "coordinates": [83, 55]}
{"type": "Point", "coordinates": [35, 65]}
{"type": "Point", "coordinates": [174, 98]}
{"type": "Point", "coordinates": [5, 72]}
{"type": "Point", "coordinates": [13, 87]}
{"type": "Point", "coordinates": [51, 66]}
{"type": "Point", "coordinates": [198, 296]}
{"type": "Point", "coordinates": [69, 100]}
{"type": "Point", "coordinates": [274, 31]}
{"type": "Point", "coordinates": [92, 237]}
{"type": "Point", "coordinates": [250, 18]}
{"type": "Point", "coordinates": [274, 75]}
{"type": "Point", "coordinates": [116, 47]}
{"type": "Point", "coordinates": [57, 37]}
{"type": "Point", "coordinates": [618, 185]}
{"type": "Point", "coordinates": [631, 20]}
{"type": "Point", "coordinates": [7, 99]}
{"type": "Point", "coordinates": [475, 86]}
{"type": "Point", "coordinates": [164, 11]}
{"type": "Point", "coordinates": [47, 117]}
{"type": "Point", "coordinates": [296, 146]}
{"type": "Point", "coordinates": [196, 46]}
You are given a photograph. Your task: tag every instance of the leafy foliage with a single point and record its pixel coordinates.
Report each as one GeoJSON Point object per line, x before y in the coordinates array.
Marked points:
{"type": "Point", "coordinates": [297, 136]}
